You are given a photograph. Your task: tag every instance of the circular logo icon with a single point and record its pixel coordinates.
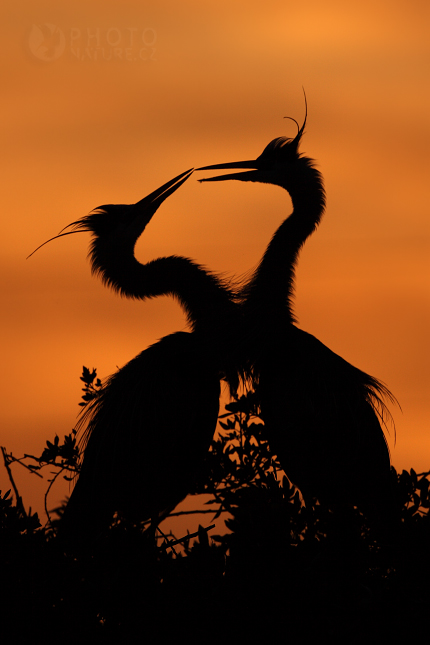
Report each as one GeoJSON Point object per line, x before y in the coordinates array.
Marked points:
{"type": "Point", "coordinates": [46, 42]}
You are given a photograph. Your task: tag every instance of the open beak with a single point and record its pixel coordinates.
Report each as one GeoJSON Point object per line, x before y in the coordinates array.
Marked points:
{"type": "Point", "coordinates": [244, 176]}
{"type": "Point", "coordinates": [162, 193]}
{"type": "Point", "coordinates": [151, 203]}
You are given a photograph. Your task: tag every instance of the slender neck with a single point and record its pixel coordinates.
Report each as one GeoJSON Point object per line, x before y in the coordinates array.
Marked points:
{"type": "Point", "coordinates": [269, 293]}
{"type": "Point", "coordinates": [207, 300]}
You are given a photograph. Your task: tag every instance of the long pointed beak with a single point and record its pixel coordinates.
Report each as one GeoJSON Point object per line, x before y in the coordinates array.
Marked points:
{"type": "Point", "coordinates": [151, 202]}
{"type": "Point", "coordinates": [233, 164]}
{"type": "Point", "coordinates": [241, 176]}
{"type": "Point", "coordinates": [163, 192]}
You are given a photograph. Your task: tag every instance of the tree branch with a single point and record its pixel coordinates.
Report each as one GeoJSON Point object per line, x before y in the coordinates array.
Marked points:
{"type": "Point", "coordinates": [19, 502]}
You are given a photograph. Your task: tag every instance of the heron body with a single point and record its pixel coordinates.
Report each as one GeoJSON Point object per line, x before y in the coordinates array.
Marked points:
{"type": "Point", "coordinates": [322, 415]}
{"type": "Point", "coordinates": [321, 421]}
{"type": "Point", "coordinates": [147, 432]}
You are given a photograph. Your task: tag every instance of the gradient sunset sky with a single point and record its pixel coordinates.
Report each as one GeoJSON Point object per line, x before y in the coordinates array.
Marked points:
{"type": "Point", "coordinates": [105, 101]}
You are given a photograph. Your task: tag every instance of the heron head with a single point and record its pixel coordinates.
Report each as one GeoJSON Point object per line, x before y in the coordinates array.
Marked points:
{"type": "Point", "coordinates": [271, 166]}
{"type": "Point", "coordinates": [128, 219]}
{"type": "Point", "coordinates": [122, 221]}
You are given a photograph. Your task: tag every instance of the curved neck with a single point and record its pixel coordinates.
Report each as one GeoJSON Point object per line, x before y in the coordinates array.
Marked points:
{"type": "Point", "coordinates": [270, 291]}
{"type": "Point", "coordinates": [207, 300]}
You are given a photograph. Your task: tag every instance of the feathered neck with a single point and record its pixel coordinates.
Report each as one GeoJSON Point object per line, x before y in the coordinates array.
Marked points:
{"type": "Point", "coordinates": [205, 297]}
{"type": "Point", "coordinates": [269, 293]}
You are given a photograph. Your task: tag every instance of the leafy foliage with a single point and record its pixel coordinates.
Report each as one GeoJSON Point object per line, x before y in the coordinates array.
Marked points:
{"type": "Point", "coordinates": [92, 385]}
{"type": "Point", "coordinates": [12, 521]}
{"type": "Point", "coordinates": [281, 569]}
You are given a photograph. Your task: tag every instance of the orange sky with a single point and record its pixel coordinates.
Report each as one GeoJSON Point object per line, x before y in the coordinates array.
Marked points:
{"type": "Point", "coordinates": [129, 95]}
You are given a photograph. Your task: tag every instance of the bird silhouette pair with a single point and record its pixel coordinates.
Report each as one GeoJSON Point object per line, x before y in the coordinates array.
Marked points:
{"type": "Point", "coordinates": [148, 431]}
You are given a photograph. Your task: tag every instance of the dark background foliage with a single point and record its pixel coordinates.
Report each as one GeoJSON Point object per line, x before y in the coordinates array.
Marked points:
{"type": "Point", "coordinates": [282, 569]}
